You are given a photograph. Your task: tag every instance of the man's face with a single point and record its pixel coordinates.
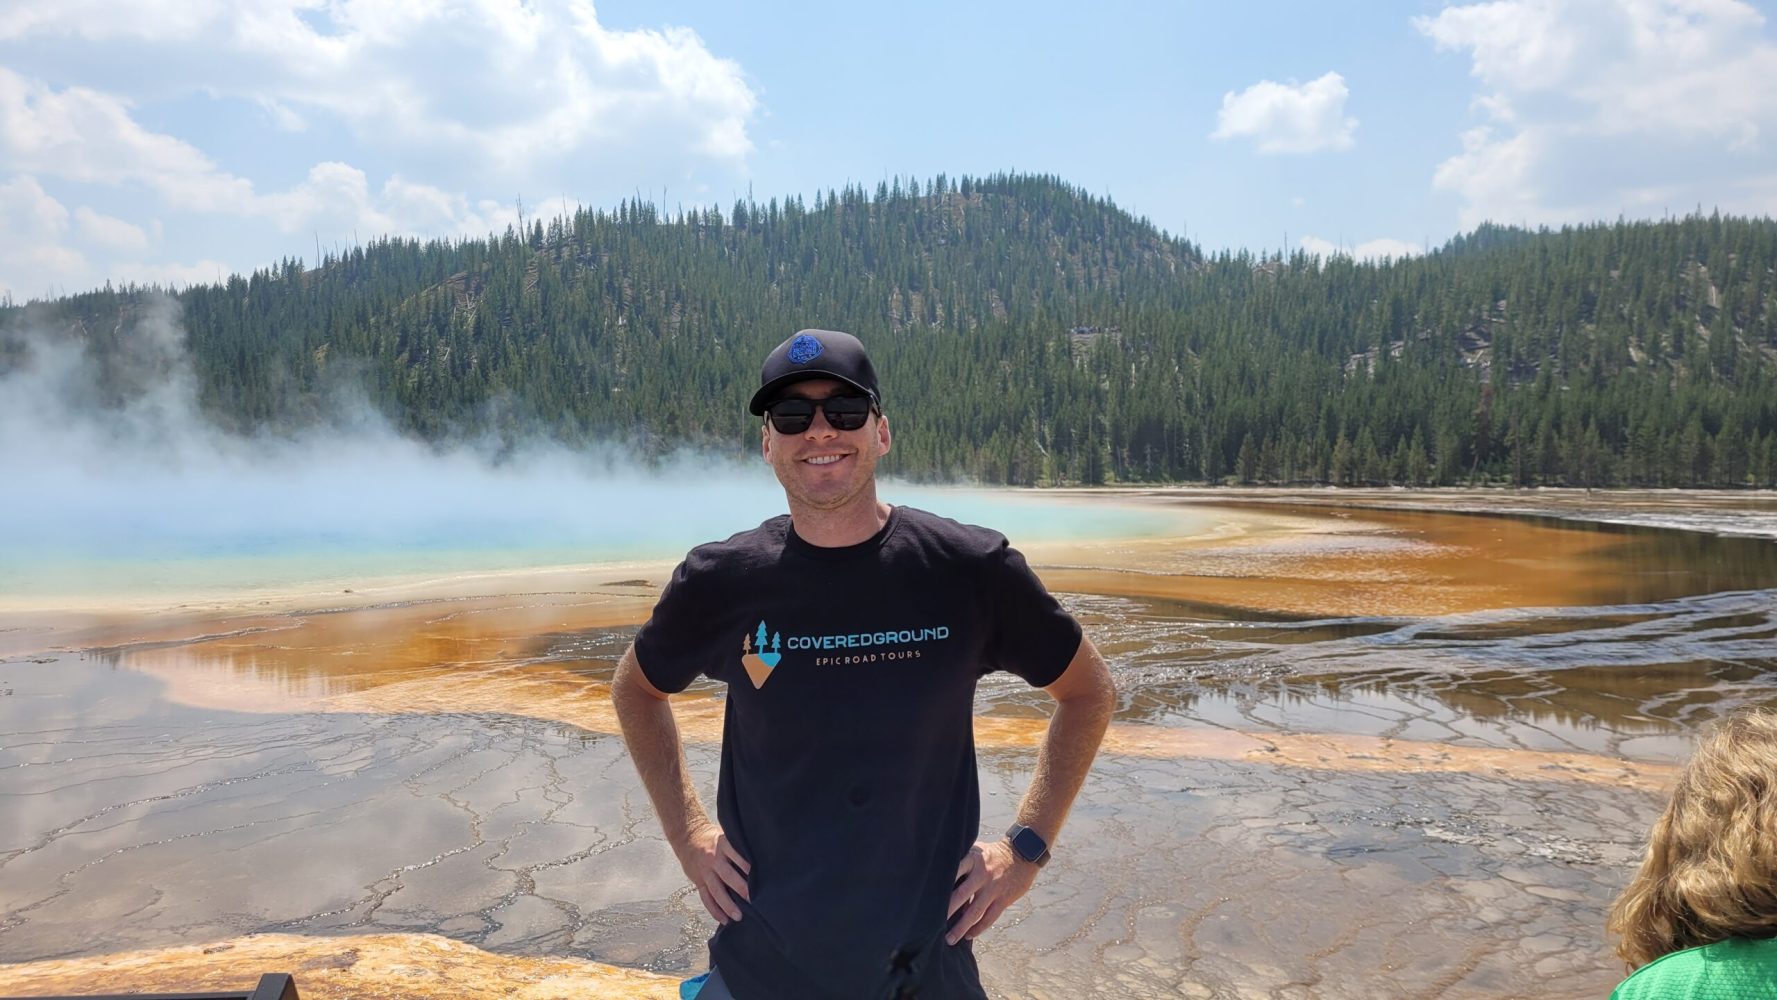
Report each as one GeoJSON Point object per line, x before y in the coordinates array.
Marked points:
{"type": "Point", "coordinates": [823, 468]}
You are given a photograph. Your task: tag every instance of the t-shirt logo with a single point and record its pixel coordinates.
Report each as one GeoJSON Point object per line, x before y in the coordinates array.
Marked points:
{"type": "Point", "coordinates": [754, 657]}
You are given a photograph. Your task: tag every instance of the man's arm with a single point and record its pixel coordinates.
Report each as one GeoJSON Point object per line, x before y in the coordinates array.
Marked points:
{"type": "Point", "coordinates": [709, 860]}
{"type": "Point", "coordinates": [992, 877]}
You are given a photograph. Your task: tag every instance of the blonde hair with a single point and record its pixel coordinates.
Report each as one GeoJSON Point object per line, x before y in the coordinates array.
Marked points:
{"type": "Point", "coordinates": [1710, 872]}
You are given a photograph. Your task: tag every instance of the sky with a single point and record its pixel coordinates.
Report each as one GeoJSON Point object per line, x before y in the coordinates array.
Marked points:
{"type": "Point", "coordinates": [179, 142]}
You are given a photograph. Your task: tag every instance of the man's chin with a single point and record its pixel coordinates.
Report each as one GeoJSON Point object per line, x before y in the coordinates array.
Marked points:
{"type": "Point", "coordinates": [823, 487]}
{"type": "Point", "coordinates": [833, 497]}
{"type": "Point", "coordinates": [815, 501]}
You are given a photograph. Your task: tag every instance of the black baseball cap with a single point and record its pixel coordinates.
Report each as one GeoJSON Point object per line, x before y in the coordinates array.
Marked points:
{"type": "Point", "coordinates": [815, 354]}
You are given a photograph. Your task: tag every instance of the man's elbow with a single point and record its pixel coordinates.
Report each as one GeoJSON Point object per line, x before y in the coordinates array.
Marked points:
{"type": "Point", "coordinates": [1087, 684]}
{"type": "Point", "coordinates": [623, 691]}
{"type": "Point", "coordinates": [1101, 694]}
{"type": "Point", "coordinates": [630, 687]}
{"type": "Point", "coordinates": [1107, 690]}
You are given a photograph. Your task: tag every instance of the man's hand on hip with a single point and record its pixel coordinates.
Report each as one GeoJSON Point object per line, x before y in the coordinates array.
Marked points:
{"type": "Point", "coordinates": [717, 870]}
{"type": "Point", "coordinates": [989, 879]}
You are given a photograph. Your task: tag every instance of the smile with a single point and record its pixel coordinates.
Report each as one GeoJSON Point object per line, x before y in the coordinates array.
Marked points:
{"type": "Point", "coordinates": [824, 459]}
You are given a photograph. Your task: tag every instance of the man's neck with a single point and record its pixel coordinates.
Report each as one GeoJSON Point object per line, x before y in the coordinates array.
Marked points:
{"type": "Point", "coordinates": [830, 529]}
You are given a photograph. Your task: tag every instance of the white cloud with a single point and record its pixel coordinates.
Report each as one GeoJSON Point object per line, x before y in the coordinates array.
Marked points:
{"type": "Point", "coordinates": [86, 137]}
{"type": "Point", "coordinates": [281, 117]}
{"type": "Point", "coordinates": [110, 231]}
{"type": "Point", "coordinates": [1759, 194]}
{"type": "Point", "coordinates": [337, 198]}
{"type": "Point", "coordinates": [1289, 117]}
{"type": "Point", "coordinates": [50, 251]}
{"type": "Point", "coordinates": [103, 18]}
{"type": "Point", "coordinates": [173, 274]}
{"type": "Point", "coordinates": [35, 260]}
{"type": "Point", "coordinates": [1596, 108]}
{"type": "Point", "coordinates": [500, 83]}
{"type": "Point", "coordinates": [30, 210]}
{"type": "Point", "coordinates": [411, 112]}
{"type": "Point", "coordinates": [1511, 41]}
{"type": "Point", "coordinates": [1498, 175]}
{"type": "Point", "coordinates": [1375, 250]}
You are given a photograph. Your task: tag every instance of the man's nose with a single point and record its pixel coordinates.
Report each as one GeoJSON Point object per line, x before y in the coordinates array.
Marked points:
{"type": "Point", "coordinates": [819, 428]}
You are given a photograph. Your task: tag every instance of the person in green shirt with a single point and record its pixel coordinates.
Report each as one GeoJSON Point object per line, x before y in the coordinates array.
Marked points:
{"type": "Point", "coordinates": [1699, 919]}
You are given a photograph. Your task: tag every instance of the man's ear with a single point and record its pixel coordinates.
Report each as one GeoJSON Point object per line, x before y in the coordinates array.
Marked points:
{"type": "Point", "coordinates": [883, 437]}
{"type": "Point", "coordinates": [765, 442]}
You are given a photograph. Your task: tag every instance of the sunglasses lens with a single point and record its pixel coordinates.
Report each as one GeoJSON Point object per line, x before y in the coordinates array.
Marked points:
{"type": "Point", "coordinates": [846, 413]}
{"type": "Point", "coordinates": [792, 416]}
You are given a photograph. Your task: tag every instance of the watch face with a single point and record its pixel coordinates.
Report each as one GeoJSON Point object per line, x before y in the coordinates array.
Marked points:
{"type": "Point", "coordinates": [1029, 844]}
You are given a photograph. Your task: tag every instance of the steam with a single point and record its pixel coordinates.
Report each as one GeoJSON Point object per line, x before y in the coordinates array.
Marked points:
{"type": "Point", "coordinates": [109, 461]}
{"type": "Point", "coordinates": [117, 485]}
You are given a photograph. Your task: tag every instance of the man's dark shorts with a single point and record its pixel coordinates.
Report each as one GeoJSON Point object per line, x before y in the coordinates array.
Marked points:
{"type": "Point", "coordinates": [712, 988]}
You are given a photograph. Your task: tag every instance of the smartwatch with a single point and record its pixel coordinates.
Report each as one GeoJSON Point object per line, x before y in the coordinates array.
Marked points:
{"type": "Point", "coordinates": [1028, 844]}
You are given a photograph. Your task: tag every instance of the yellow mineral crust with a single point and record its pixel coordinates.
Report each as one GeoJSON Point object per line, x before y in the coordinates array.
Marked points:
{"type": "Point", "coordinates": [365, 967]}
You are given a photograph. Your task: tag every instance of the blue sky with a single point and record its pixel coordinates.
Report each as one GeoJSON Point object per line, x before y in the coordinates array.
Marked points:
{"type": "Point", "coordinates": [178, 142]}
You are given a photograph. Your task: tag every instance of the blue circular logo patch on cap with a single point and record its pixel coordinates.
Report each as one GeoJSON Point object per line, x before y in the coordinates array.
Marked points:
{"type": "Point", "coordinates": [804, 349]}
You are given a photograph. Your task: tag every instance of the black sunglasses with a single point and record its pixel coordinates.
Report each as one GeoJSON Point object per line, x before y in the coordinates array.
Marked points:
{"type": "Point", "coordinates": [793, 414]}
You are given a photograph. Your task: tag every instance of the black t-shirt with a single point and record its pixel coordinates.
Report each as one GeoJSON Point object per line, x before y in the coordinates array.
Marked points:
{"type": "Point", "coordinates": [848, 756]}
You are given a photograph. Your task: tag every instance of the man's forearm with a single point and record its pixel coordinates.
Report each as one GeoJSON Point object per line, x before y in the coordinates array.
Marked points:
{"type": "Point", "coordinates": [1069, 746]}
{"type": "Point", "coordinates": [652, 735]}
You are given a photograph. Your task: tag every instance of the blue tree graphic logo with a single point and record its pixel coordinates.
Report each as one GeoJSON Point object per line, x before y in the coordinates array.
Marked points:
{"type": "Point", "coordinates": [754, 657]}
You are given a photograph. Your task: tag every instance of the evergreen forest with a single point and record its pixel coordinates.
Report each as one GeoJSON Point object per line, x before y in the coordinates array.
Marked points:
{"type": "Point", "coordinates": [1027, 333]}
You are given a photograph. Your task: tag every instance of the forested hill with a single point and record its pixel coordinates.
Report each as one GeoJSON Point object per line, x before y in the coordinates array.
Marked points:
{"type": "Point", "coordinates": [1028, 332]}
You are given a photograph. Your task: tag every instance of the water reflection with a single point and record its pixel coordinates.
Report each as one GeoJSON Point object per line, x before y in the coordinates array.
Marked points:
{"type": "Point", "coordinates": [1582, 678]}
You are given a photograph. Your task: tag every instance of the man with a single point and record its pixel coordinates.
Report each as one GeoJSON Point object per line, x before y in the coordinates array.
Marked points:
{"type": "Point", "coordinates": [851, 636]}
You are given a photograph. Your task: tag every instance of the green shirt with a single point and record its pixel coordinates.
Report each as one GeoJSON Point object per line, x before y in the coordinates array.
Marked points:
{"type": "Point", "coordinates": [1735, 969]}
